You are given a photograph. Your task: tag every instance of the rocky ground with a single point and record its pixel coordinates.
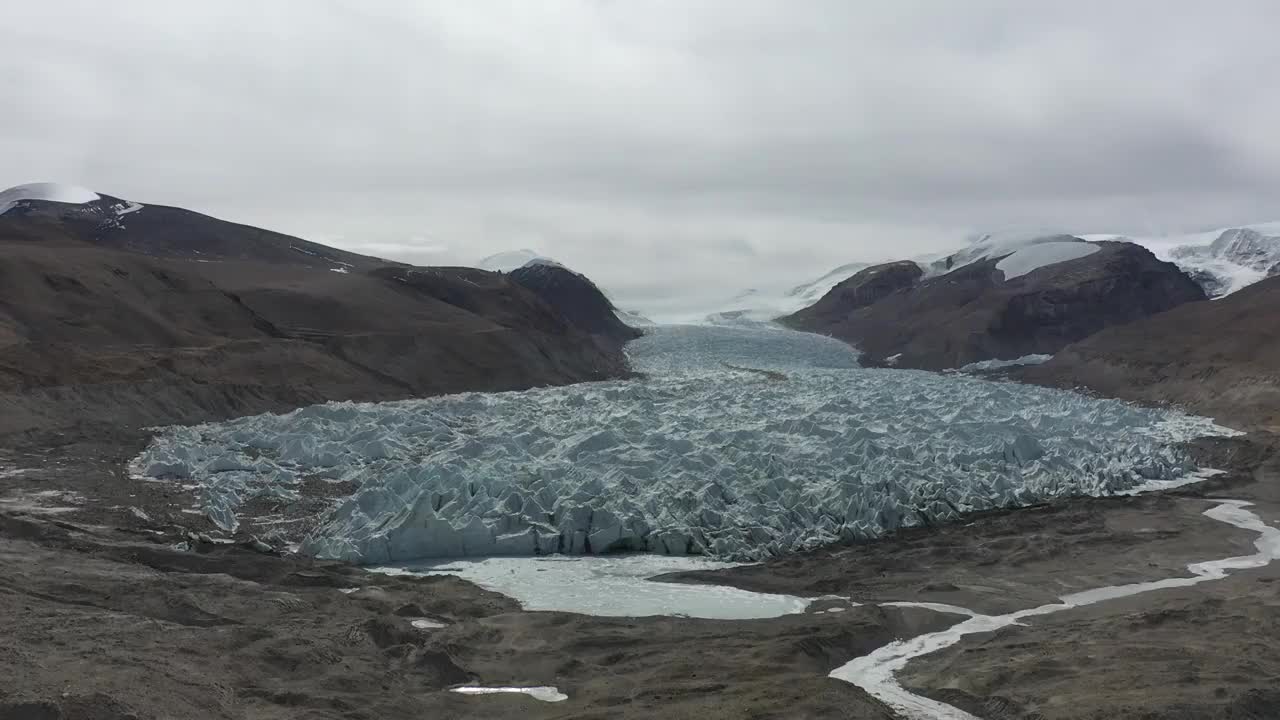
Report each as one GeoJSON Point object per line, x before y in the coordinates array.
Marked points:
{"type": "Point", "coordinates": [898, 317]}
{"type": "Point", "coordinates": [1218, 358]}
{"type": "Point", "coordinates": [114, 612]}
{"type": "Point", "coordinates": [152, 621]}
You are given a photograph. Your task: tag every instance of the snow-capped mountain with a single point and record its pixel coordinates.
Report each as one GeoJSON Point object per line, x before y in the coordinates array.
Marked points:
{"type": "Point", "coordinates": [1237, 258]}
{"type": "Point", "coordinates": [513, 259]}
{"type": "Point", "coordinates": [72, 200]}
{"type": "Point", "coordinates": [755, 305]}
{"type": "Point", "coordinates": [45, 192]}
{"type": "Point", "coordinates": [811, 292]}
{"type": "Point", "coordinates": [1222, 261]}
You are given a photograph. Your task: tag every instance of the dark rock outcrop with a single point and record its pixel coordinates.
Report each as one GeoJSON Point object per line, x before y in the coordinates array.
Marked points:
{"type": "Point", "coordinates": [975, 313]}
{"type": "Point", "coordinates": [863, 288]}
{"type": "Point", "coordinates": [575, 297]}
{"type": "Point", "coordinates": [133, 328]}
{"type": "Point", "coordinates": [1219, 358]}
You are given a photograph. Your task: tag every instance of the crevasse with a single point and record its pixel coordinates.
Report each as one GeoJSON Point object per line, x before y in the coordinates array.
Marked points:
{"type": "Point", "coordinates": [700, 457]}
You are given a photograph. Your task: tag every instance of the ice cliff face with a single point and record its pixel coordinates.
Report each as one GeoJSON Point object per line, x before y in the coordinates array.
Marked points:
{"type": "Point", "coordinates": [709, 455]}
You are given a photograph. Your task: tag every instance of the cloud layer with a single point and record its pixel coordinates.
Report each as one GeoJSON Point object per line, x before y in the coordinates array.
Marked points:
{"type": "Point", "coordinates": [676, 150]}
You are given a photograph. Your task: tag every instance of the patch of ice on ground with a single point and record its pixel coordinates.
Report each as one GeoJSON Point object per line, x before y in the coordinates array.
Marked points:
{"type": "Point", "coordinates": [545, 693]}
{"type": "Point", "coordinates": [989, 365]}
{"type": "Point", "coordinates": [697, 459]}
{"type": "Point", "coordinates": [1191, 478]}
{"type": "Point", "coordinates": [1034, 257]}
{"type": "Point", "coordinates": [40, 502]}
{"type": "Point", "coordinates": [616, 586]}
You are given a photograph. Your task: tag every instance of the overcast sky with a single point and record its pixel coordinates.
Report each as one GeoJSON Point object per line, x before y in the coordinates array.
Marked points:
{"type": "Point", "coordinates": [661, 146]}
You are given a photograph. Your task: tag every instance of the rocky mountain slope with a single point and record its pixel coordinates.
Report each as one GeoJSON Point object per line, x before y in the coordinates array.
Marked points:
{"type": "Point", "coordinates": [161, 315]}
{"type": "Point", "coordinates": [576, 298]}
{"type": "Point", "coordinates": [1032, 300]}
{"type": "Point", "coordinates": [1219, 358]}
{"type": "Point", "coordinates": [40, 212]}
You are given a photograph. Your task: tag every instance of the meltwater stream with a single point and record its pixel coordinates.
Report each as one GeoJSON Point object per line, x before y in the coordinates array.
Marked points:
{"type": "Point", "coordinates": [706, 456]}
{"type": "Point", "coordinates": [875, 672]}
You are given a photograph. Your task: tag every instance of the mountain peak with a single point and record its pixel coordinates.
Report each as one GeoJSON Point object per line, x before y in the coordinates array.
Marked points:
{"type": "Point", "coordinates": [46, 192]}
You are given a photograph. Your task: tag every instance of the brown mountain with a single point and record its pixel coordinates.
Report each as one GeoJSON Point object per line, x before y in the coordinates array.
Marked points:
{"type": "Point", "coordinates": [1219, 358]}
{"type": "Point", "coordinates": [895, 316]}
{"type": "Point", "coordinates": [578, 299]}
{"type": "Point", "coordinates": [163, 315]}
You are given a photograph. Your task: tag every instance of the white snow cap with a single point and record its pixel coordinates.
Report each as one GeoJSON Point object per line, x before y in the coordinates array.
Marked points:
{"type": "Point", "coordinates": [514, 259]}
{"type": "Point", "coordinates": [52, 192]}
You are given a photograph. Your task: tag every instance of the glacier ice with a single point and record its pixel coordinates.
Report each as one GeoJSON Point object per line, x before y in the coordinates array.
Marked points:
{"type": "Point", "coordinates": [1034, 257]}
{"type": "Point", "coordinates": [701, 457]}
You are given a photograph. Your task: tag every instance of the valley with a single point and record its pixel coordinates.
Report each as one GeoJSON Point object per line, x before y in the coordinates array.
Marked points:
{"type": "Point", "coordinates": [246, 476]}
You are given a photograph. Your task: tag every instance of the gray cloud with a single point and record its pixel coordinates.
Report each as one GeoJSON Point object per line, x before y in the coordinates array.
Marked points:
{"type": "Point", "coordinates": [666, 147]}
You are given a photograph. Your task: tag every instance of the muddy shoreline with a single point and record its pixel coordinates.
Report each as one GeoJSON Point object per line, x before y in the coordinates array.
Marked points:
{"type": "Point", "coordinates": [109, 582]}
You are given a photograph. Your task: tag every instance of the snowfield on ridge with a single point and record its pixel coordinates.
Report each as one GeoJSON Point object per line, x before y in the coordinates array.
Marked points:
{"type": "Point", "coordinates": [708, 455]}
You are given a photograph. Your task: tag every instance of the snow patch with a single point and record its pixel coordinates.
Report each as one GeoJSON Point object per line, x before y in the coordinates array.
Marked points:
{"type": "Point", "coordinates": [545, 693]}
{"type": "Point", "coordinates": [1034, 257]}
{"type": "Point", "coordinates": [46, 191]}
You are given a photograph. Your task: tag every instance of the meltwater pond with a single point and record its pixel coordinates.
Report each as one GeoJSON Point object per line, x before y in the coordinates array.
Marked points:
{"type": "Point", "coordinates": [706, 455]}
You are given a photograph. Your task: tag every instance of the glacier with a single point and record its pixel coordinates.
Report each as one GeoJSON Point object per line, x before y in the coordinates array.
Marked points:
{"type": "Point", "coordinates": [1033, 257]}
{"type": "Point", "coordinates": [738, 444]}
{"type": "Point", "coordinates": [1221, 261]}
